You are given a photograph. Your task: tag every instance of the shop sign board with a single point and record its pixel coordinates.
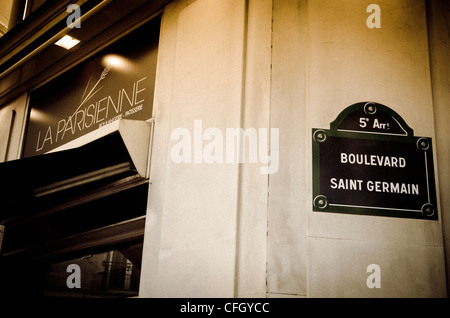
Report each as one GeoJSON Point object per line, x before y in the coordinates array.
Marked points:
{"type": "Point", "coordinates": [117, 82]}
{"type": "Point", "coordinates": [370, 162]}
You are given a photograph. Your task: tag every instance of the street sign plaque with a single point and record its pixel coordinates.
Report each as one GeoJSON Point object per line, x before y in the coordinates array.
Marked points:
{"type": "Point", "coordinates": [370, 162]}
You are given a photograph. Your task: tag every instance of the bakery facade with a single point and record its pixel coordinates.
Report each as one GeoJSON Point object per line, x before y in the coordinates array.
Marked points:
{"type": "Point", "coordinates": [224, 148]}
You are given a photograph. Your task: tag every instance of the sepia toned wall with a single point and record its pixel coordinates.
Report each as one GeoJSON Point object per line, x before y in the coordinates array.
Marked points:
{"type": "Point", "coordinates": [190, 235]}
{"type": "Point", "coordinates": [349, 62]}
{"type": "Point", "coordinates": [225, 229]}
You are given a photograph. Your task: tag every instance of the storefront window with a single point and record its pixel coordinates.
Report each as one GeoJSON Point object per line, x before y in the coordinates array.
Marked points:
{"type": "Point", "coordinates": [114, 273]}
{"type": "Point", "coordinates": [81, 210]}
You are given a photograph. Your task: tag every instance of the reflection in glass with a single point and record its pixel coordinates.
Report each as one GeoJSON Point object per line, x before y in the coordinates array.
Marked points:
{"type": "Point", "coordinates": [114, 273]}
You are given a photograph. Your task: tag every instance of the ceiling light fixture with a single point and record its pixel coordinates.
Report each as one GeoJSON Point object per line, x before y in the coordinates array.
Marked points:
{"type": "Point", "coordinates": [67, 42]}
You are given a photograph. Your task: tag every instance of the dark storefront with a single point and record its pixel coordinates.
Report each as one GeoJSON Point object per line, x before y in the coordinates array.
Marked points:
{"type": "Point", "coordinates": [83, 205]}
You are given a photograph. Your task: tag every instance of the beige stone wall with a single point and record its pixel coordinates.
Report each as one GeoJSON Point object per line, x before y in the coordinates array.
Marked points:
{"type": "Point", "coordinates": [347, 62]}
{"type": "Point", "coordinates": [225, 229]}
{"type": "Point", "coordinates": [191, 230]}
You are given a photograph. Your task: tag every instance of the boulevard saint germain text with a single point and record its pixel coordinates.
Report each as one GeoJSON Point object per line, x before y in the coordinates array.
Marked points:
{"type": "Point", "coordinates": [373, 185]}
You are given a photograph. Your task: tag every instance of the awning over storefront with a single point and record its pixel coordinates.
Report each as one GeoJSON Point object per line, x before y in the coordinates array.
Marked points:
{"type": "Point", "coordinates": [52, 197]}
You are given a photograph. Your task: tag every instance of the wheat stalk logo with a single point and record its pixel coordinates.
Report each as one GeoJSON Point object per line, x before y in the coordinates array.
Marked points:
{"type": "Point", "coordinates": [92, 92]}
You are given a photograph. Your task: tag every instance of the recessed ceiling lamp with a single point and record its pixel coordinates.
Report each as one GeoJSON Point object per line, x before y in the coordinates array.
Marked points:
{"type": "Point", "coordinates": [67, 42]}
